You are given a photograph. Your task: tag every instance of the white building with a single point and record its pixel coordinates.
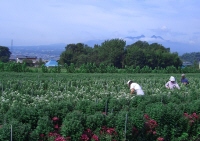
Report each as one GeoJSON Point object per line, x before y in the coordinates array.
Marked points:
{"type": "Point", "coordinates": [20, 58]}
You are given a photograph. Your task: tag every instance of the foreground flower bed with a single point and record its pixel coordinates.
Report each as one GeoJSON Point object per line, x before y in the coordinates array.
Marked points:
{"type": "Point", "coordinates": [48, 107]}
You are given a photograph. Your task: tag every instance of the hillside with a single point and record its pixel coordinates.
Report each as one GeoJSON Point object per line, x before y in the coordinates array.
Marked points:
{"type": "Point", "coordinates": [191, 57]}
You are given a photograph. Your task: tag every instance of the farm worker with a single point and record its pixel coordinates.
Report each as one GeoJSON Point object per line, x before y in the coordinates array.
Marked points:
{"type": "Point", "coordinates": [134, 87]}
{"type": "Point", "coordinates": [184, 80]}
{"type": "Point", "coordinates": [171, 84]}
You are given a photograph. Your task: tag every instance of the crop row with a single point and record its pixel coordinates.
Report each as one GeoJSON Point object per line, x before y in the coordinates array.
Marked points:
{"type": "Point", "coordinates": [92, 68]}
{"type": "Point", "coordinates": [97, 107]}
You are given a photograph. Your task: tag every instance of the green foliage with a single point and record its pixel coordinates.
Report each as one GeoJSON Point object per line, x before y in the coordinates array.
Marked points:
{"type": "Point", "coordinates": [20, 131]}
{"type": "Point", "coordinates": [73, 125]}
{"type": "Point", "coordinates": [44, 126]}
{"type": "Point", "coordinates": [154, 55]}
{"type": "Point", "coordinates": [88, 68]}
{"type": "Point", "coordinates": [95, 121]}
{"type": "Point", "coordinates": [99, 103]}
{"type": "Point", "coordinates": [4, 54]}
{"type": "Point", "coordinates": [14, 67]}
{"type": "Point", "coordinates": [76, 54]}
{"type": "Point", "coordinates": [56, 69]}
{"type": "Point", "coordinates": [93, 68]}
{"type": "Point", "coordinates": [111, 51]}
{"type": "Point", "coordinates": [190, 57]}
{"type": "Point", "coordinates": [44, 69]}
{"type": "Point", "coordinates": [114, 53]}
{"type": "Point", "coordinates": [40, 62]}
{"type": "Point", "coordinates": [28, 62]}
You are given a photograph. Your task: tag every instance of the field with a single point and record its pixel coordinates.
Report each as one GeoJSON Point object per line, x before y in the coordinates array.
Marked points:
{"type": "Point", "coordinates": [64, 106]}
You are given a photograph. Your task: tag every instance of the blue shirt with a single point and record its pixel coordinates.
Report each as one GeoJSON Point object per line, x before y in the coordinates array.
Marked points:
{"type": "Point", "coordinates": [184, 80]}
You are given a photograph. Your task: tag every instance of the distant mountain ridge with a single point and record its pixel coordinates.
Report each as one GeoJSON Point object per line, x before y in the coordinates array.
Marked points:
{"type": "Point", "coordinates": [135, 38]}
{"type": "Point", "coordinates": [57, 48]}
{"type": "Point", "coordinates": [178, 47]}
{"type": "Point", "coordinates": [157, 37]}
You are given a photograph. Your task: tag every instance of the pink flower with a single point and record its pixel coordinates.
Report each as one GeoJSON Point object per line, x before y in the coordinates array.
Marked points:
{"type": "Point", "coordinates": [135, 130]}
{"type": "Point", "coordinates": [84, 137]}
{"type": "Point", "coordinates": [104, 128]}
{"type": "Point", "coordinates": [186, 114]}
{"type": "Point", "coordinates": [95, 137]}
{"type": "Point", "coordinates": [154, 132]}
{"type": "Point", "coordinates": [190, 117]}
{"type": "Point", "coordinates": [160, 139]}
{"type": "Point", "coordinates": [111, 131]}
{"type": "Point", "coordinates": [56, 126]}
{"type": "Point", "coordinates": [195, 115]}
{"type": "Point", "coordinates": [191, 122]}
{"type": "Point", "coordinates": [146, 116]}
{"type": "Point", "coordinates": [60, 139]}
{"type": "Point", "coordinates": [41, 135]}
{"type": "Point", "coordinates": [51, 134]}
{"type": "Point", "coordinates": [89, 130]}
{"type": "Point", "coordinates": [152, 122]}
{"type": "Point", "coordinates": [55, 118]}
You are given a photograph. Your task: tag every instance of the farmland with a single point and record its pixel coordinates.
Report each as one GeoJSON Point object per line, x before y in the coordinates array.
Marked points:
{"type": "Point", "coordinates": [84, 106]}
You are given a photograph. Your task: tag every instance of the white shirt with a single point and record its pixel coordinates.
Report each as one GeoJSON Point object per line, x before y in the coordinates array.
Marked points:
{"type": "Point", "coordinates": [171, 85]}
{"type": "Point", "coordinates": [137, 88]}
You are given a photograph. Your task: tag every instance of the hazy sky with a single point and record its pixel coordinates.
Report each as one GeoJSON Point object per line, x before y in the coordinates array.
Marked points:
{"type": "Point", "coordinates": [42, 22]}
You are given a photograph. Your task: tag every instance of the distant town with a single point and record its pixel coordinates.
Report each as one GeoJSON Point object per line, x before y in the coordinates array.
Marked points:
{"type": "Point", "coordinates": [43, 56]}
{"type": "Point", "coordinates": [51, 52]}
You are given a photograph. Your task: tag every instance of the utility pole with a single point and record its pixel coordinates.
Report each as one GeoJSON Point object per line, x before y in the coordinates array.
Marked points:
{"type": "Point", "coordinates": [11, 47]}
{"type": "Point", "coordinates": [199, 64]}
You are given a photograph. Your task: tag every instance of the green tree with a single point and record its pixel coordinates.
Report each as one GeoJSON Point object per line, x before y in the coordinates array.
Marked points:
{"type": "Point", "coordinates": [111, 52]}
{"type": "Point", "coordinates": [66, 57]}
{"type": "Point", "coordinates": [77, 54]}
{"type": "Point", "coordinates": [134, 56]}
{"type": "Point", "coordinates": [40, 62]}
{"type": "Point", "coordinates": [152, 55]}
{"type": "Point", "coordinates": [141, 44]}
{"type": "Point", "coordinates": [28, 62]}
{"type": "Point", "coordinates": [190, 57]}
{"type": "Point", "coordinates": [4, 54]}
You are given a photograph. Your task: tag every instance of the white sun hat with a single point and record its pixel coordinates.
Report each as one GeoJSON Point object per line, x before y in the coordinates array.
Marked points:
{"type": "Point", "coordinates": [128, 81]}
{"type": "Point", "coordinates": [172, 78]}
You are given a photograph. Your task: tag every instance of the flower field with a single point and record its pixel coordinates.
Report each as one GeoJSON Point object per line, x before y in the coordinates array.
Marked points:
{"type": "Point", "coordinates": [97, 107]}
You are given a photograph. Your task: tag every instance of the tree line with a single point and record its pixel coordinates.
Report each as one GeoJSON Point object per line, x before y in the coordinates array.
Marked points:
{"type": "Point", "coordinates": [116, 53]}
{"type": "Point", "coordinates": [193, 57]}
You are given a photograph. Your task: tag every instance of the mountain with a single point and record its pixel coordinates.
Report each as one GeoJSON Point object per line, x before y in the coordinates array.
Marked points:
{"type": "Point", "coordinates": [157, 37]}
{"type": "Point", "coordinates": [135, 38]}
{"type": "Point", "coordinates": [178, 47]}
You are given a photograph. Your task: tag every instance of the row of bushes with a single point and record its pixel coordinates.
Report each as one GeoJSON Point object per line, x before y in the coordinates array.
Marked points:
{"type": "Point", "coordinates": [142, 118]}
{"type": "Point", "coordinates": [92, 68]}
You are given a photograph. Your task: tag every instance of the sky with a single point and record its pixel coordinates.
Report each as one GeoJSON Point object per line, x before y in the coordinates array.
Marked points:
{"type": "Point", "coordinates": [43, 22]}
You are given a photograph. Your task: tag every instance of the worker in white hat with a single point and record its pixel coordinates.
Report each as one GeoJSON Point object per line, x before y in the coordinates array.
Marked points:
{"type": "Point", "coordinates": [135, 88]}
{"type": "Point", "coordinates": [172, 84]}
